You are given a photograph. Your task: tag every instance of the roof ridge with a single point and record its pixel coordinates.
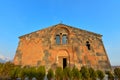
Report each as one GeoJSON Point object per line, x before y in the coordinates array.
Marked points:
{"type": "Point", "coordinates": [64, 25]}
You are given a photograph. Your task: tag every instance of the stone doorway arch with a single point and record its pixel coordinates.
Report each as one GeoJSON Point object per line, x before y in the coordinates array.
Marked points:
{"type": "Point", "coordinates": [63, 58]}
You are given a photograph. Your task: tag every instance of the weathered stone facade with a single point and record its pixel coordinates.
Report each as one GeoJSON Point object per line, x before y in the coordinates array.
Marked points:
{"type": "Point", "coordinates": [62, 45]}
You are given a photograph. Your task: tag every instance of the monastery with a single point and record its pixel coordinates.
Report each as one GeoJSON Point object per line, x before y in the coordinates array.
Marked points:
{"type": "Point", "coordinates": [62, 45]}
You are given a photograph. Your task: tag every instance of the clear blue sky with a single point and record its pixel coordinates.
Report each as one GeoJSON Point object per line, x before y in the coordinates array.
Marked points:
{"type": "Point", "coordinates": [19, 17]}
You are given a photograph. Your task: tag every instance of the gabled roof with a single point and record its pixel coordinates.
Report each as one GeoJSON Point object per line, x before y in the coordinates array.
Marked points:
{"type": "Point", "coordinates": [66, 26]}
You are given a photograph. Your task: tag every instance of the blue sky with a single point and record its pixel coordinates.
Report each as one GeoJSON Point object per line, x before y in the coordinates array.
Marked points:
{"type": "Point", "coordinates": [19, 17]}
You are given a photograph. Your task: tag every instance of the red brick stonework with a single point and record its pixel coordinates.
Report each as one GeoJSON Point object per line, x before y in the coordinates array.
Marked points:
{"type": "Point", "coordinates": [62, 45]}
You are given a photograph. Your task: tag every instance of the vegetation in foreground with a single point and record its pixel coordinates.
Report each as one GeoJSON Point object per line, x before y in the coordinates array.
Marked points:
{"type": "Point", "coordinates": [10, 71]}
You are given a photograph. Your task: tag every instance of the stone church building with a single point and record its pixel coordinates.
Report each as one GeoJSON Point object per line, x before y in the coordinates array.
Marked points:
{"type": "Point", "coordinates": [62, 45]}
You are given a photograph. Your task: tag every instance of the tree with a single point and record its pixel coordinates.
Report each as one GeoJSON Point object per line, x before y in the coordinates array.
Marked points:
{"type": "Point", "coordinates": [110, 75]}
{"type": "Point", "coordinates": [1, 67]}
{"type": "Point", "coordinates": [93, 74]}
{"type": "Point", "coordinates": [76, 75]}
{"type": "Point", "coordinates": [40, 73]}
{"type": "Point", "coordinates": [59, 73]}
{"type": "Point", "coordinates": [117, 72]}
{"type": "Point", "coordinates": [15, 72]}
{"type": "Point", "coordinates": [100, 74]}
{"type": "Point", "coordinates": [6, 69]}
{"type": "Point", "coordinates": [31, 72]}
{"type": "Point", "coordinates": [67, 73]}
{"type": "Point", "coordinates": [85, 73]}
{"type": "Point", "coordinates": [50, 74]}
{"type": "Point", "coordinates": [23, 73]}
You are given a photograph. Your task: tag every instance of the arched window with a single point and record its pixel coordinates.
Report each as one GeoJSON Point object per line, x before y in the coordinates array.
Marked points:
{"type": "Point", "coordinates": [61, 35]}
{"type": "Point", "coordinates": [64, 39]}
{"type": "Point", "coordinates": [57, 39]}
{"type": "Point", "coordinates": [88, 45]}
{"type": "Point", "coordinates": [61, 38]}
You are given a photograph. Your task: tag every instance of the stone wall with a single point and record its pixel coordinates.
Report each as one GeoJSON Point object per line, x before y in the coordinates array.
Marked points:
{"type": "Point", "coordinates": [40, 48]}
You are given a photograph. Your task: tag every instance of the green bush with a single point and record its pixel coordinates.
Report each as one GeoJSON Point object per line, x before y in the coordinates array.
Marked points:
{"type": "Point", "coordinates": [67, 73]}
{"type": "Point", "coordinates": [40, 73]}
{"type": "Point", "coordinates": [93, 74]}
{"type": "Point", "coordinates": [59, 73]}
{"type": "Point", "coordinates": [85, 73]}
{"type": "Point", "coordinates": [6, 69]}
{"type": "Point", "coordinates": [110, 75]}
{"type": "Point", "coordinates": [31, 72]}
{"type": "Point", "coordinates": [15, 72]}
{"type": "Point", "coordinates": [76, 75]}
{"type": "Point", "coordinates": [100, 74]}
{"type": "Point", "coordinates": [117, 72]}
{"type": "Point", "coordinates": [50, 74]}
{"type": "Point", "coordinates": [24, 72]}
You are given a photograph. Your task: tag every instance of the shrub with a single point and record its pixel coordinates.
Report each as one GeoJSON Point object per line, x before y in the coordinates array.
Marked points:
{"type": "Point", "coordinates": [59, 73]}
{"type": "Point", "coordinates": [93, 74]}
{"type": "Point", "coordinates": [40, 74]}
{"type": "Point", "coordinates": [110, 75]}
{"type": "Point", "coordinates": [76, 75]}
{"type": "Point", "coordinates": [31, 72]}
{"type": "Point", "coordinates": [100, 74]}
{"type": "Point", "coordinates": [15, 72]}
{"type": "Point", "coordinates": [117, 72]}
{"type": "Point", "coordinates": [85, 73]}
{"type": "Point", "coordinates": [67, 73]}
{"type": "Point", "coordinates": [50, 74]}
{"type": "Point", "coordinates": [6, 69]}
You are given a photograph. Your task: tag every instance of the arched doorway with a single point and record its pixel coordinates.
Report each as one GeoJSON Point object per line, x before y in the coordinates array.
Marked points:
{"type": "Point", "coordinates": [63, 58]}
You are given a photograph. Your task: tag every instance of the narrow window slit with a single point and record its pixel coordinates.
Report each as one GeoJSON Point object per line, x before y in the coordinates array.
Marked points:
{"type": "Point", "coordinates": [88, 45]}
